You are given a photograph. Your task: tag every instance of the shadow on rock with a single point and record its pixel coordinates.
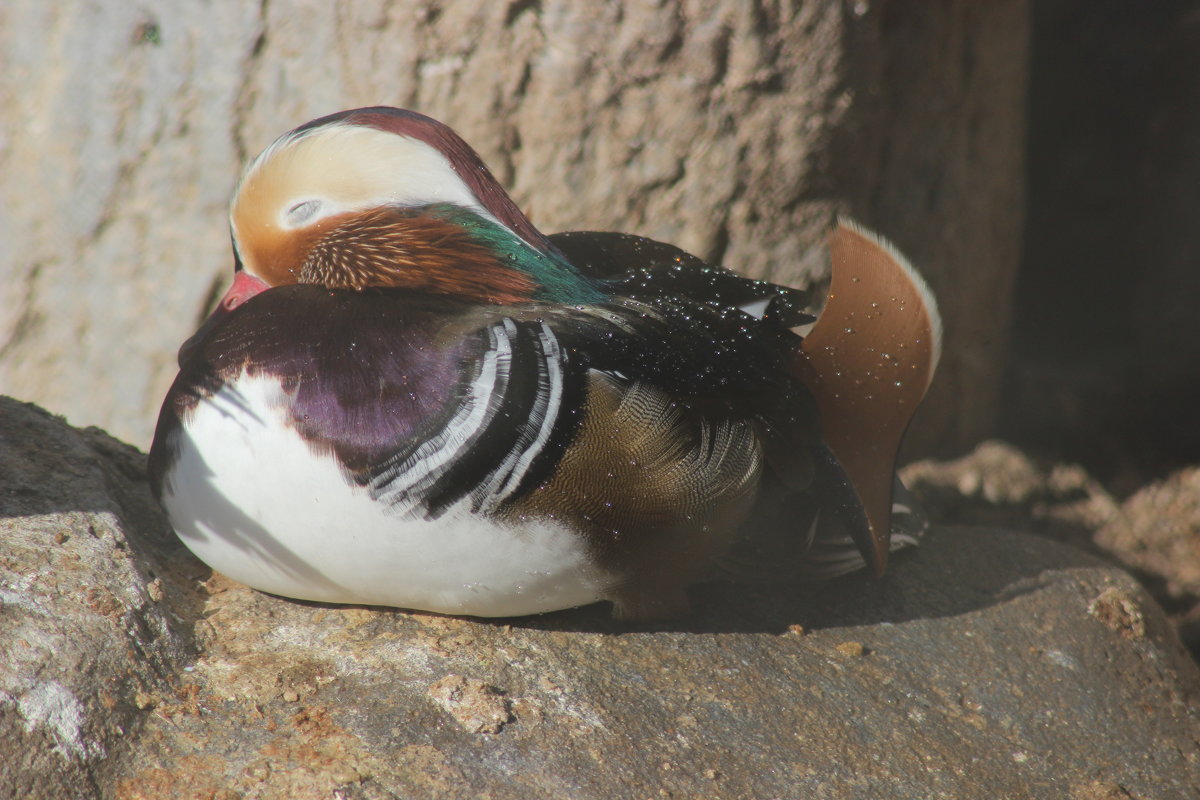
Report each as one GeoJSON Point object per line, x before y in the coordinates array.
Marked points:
{"type": "Point", "coordinates": [953, 572]}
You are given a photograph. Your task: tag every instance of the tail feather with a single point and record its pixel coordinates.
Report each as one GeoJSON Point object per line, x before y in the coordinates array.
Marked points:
{"type": "Point", "coordinates": [834, 551]}
{"type": "Point", "coordinates": [868, 361]}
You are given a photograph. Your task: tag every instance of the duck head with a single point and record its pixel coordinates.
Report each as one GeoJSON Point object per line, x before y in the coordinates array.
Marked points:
{"type": "Point", "coordinates": [384, 197]}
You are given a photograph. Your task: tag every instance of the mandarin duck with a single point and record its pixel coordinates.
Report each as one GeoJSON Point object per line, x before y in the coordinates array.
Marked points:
{"type": "Point", "coordinates": [412, 397]}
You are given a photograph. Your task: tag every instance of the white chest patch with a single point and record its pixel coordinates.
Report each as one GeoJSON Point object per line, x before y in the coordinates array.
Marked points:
{"type": "Point", "coordinates": [252, 500]}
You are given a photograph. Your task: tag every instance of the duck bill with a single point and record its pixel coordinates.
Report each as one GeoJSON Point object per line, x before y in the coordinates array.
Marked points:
{"type": "Point", "coordinates": [868, 361]}
{"type": "Point", "coordinates": [244, 287]}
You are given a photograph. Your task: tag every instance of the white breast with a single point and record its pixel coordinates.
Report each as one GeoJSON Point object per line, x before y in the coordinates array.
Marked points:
{"type": "Point", "coordinates": [254, 501]}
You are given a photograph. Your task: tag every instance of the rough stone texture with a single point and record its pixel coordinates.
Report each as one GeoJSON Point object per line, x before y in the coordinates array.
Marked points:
{"type": "Point", "coordinates": [987, 664]}
{"type": "Point", "coordinates": [91, 622]}
{"type": "Point", "coordinates": [1160, 528]}
{"type": "Point", "coordinates": [997, 484]}
{"type": "Point", "coordinates": [733, 129]}
{"type": "Point", "coordinates": [1155, 533]}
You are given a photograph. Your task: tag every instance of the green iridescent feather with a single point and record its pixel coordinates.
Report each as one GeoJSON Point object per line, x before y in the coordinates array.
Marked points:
{"type": "Point", "coordinates": [558, 281]}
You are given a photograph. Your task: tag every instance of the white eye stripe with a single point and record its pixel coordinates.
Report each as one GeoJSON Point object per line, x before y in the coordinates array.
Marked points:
{"type": "Point", "coordinates": [346, 168]}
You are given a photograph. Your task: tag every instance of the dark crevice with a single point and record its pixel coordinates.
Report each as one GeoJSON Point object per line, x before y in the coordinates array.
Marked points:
{"type": "Point", "coordinates": [1106, 351]}
{"type": "Point", "coordinates": [29, 320]}
{"type": "Point", "coordinates": [716, 253]}
{"type": "Point", "coordinates": [518, 7]}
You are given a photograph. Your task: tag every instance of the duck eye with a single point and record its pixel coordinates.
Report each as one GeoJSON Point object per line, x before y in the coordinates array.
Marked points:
{"type": "Point", "coordinates": [302, 212]}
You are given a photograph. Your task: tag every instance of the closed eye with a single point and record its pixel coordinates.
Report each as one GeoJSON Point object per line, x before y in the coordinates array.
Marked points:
{"type": "Point", "coordinates": [301, 212]}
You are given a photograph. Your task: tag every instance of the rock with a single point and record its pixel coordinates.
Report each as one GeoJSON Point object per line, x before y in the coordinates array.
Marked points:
{"type": "Point", "coordinates": [1116, 609]}
{"type": "Point", "coordinates": [1157, 533]}
{"type": "Point", "coordinates": [999, 484]}
{"type": "Point", "coordinates": [93, 625]}
{"type": "Point", "coordinates": [734, 130]}
{"type": "Point", "coordinates": [1158, 530]}
{"type": "Point", "coordinates": [969, 671]}
{"type": "Point", "coordinates": [477, 707]}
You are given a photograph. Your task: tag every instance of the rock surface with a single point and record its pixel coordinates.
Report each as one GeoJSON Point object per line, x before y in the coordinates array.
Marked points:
{"type": "Point", "coordinates": [91, 622]}
{"type": "Point", "coordinates": [997, 484]}
{"type": "Point", "coordinates": [1159, 530]}
{"type": "Point", "coordinates": [986, 664]}
{"type": "Point", "coordinates": [736, 130]}
{"type": "Point", "coordinates": [1155, 533]}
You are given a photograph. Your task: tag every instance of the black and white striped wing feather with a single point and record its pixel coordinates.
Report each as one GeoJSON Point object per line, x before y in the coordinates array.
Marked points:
{"type": "Point", "coordinates": [503, 435]}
